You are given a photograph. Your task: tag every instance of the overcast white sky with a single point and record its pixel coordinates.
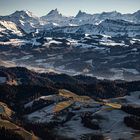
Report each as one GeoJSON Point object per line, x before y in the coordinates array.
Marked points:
{"type": "Point", "coordinates": [68, 7]}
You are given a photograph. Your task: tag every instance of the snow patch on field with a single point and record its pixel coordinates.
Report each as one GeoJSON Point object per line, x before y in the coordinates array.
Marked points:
{"type": "Point", "coordinates": [55, 42]}
{"type": "Point", "coordinates": [74, 129]}
{"type": "Point", "coordinates": [15, 42]}
{"type": "Point", "coordinates": [26, 57]}
{"type": "Point", "coordinates": [72, 24]}
{"type": "Point", "coordinates": [133, 98]}
{"type": "Point", "coordinates": [118, 73]}
{"type": "Point", "coordinates": [134, 71]}
{"type": "Point", "coordinates": [35, 43]}
{"type": "Point", "coordinates": [40, 60]}
{"type": "Point", "coordinates": [51, 42]}
{"type": "Point", "coordinates": [43, 115]}
{"type": "Point", "coordinates": [2, 80]}
{"type": "Point", "coordinates": [10, 26]}
{"type": "Point", "coordinates": [110, 43]}
{"type": "Point", "coordinates": [113, 126]}
{"type": "Point", "coordinates": [106, 40]}
{"type": "Point", "coordinates": [54, 98]}
{"type": "Point", "coordinates": [72, 42]}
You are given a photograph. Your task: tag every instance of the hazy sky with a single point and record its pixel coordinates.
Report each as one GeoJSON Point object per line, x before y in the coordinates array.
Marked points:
{"type": "Point", "coordinates": [68, 7]}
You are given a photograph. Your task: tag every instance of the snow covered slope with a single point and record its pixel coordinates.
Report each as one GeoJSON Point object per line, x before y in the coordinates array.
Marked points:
{"type": "Point", "coordinates": [8, 26]}
{"type": "Point", "coordinates": [108, 27]}
{"type": "Point", "coordinates": [70, 117]}
{"type": "Point", "coordinates": [111, 22]}
{"type": "Point", "coordinates": [24, 19]}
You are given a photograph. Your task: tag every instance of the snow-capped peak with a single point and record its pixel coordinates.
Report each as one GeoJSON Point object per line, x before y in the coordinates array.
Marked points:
{"type": "Point", "coordinates": [23, 13]}
{"type": "Point", "coordinates": [110, 13]}
{"type": "Point", "coordinates": [29, 13]}
{"type": "Point", "coordinates": [54, 16]}
{"type": "Point", "coordinates": [24, 19]}
{"type": "Point", "coordinates": [54, 12]}
{"type": "Point", "coordinates": [137, 15]}
{"type": "Point", "coordinates": [82, 14]}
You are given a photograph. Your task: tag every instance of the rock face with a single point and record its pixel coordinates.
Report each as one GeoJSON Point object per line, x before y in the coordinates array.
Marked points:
{"type": "Point", "coordinates": [53, 15]}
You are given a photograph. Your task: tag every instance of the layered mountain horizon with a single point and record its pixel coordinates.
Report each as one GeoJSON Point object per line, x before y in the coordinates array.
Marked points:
{"type": "Point", "coordinates": [28, 21]}
{"type": "Point", "coordinates": [70, 77]}
{"type": "Point", "coordinates": [80, 12]}
{"type": "Point", "coordinates": [103, 45]}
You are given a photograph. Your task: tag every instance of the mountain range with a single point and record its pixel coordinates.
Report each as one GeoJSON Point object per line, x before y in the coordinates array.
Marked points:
{"type": "Point", "coordinates": [105, 45]}
{"type": "Point", "coordinates": [28, 22]}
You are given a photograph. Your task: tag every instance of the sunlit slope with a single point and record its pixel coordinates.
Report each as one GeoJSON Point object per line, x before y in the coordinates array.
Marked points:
{"type": "Point", "coordinates": [27, 135]}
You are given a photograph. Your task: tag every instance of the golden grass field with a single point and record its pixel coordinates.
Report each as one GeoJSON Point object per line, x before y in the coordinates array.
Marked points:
{"type": "Point", "coordinates": [7, 112]}
{"type": "Point", "coordinates": [73, 96]}
{"type": "Point", "coordinates": [9, 125]}
{"type": "Point", "coordinates": [62, 105]}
